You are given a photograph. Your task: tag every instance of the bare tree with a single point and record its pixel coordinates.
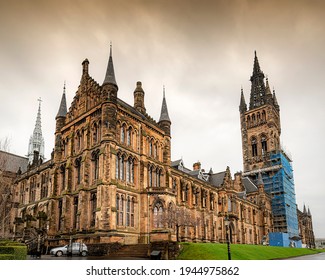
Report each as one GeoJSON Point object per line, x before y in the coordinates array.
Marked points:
{"type": "Point", "coordinates": [178, 217]}
{"type": "Point", "coordinates": [5, 183]}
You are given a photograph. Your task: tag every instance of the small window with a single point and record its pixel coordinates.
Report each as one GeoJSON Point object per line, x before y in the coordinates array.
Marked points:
{"type": "Point", "coordinates": [254, 147]}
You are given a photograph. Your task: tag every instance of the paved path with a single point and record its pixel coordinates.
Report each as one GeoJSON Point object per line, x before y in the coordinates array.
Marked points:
{"type": "Point", "coordinates": [320, 256]}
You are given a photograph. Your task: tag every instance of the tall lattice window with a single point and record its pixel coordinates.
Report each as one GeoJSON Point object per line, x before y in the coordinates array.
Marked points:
{"type": "Point", "coordinates": [264, 145]}
{"type": "Point", "coordinates": [158, 212]}
{"type": "Point", "coordinates": [254, 147]}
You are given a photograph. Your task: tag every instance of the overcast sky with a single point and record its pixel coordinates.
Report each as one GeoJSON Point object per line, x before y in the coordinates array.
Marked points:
{"type": "Point", "coordinates": [201, 51]}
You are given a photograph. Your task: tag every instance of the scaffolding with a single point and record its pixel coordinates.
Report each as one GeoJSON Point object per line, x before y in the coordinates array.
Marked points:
{"type": "Point", "coordinates": [278, 181]}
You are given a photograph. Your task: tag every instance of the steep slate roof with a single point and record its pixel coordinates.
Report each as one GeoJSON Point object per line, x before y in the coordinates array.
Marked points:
{"type": "Point", "coordinates": [12, 162]}
{"type": "Point", "coordinates": [249, 185]}
{"type": "Point", "coordinates": [217, 178]}
{"type": "Point", "coordinates": [136, 112]}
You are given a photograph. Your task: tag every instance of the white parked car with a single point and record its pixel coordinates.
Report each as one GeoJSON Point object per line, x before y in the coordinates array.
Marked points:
{"type": "Point", "coordinates": [77, 249]}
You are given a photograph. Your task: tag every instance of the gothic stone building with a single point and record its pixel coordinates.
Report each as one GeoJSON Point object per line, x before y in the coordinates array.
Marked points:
{"type": "Point", "coordinates": [111, 179]}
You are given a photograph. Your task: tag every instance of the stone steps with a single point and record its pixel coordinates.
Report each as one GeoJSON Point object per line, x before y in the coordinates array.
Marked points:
{"type": "Point", "coordinates": [131, 252]}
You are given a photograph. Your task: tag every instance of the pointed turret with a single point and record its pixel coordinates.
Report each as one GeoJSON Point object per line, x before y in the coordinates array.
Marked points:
{"type": "Point", "coordinates": [259, 180]}
{"type": "Point", "coordinates": [258, 95]}
{"type": "Point", "coordinates": [109, 104]}
{"type": "Point", "coordinates": [165, 124]}
{"type": "Point", "coordinates": [110, 75]}
{"type": "Point", "coordinates": [275, 101]}
{"type": "Point", "coordinates": [139, 98]}
{"type": "Point", "coordinates": [60, 122]}
{"type": "Point", "coordinates": [242, 105]}
{"type": "Point", "coordinates": [268, 93]}
{"type": "Point", "coordinates": [63, 105]}
{"type": "Point", "coordinates": [164, 111]}
{"type": "Point", "coordinates": [304, 211]}
{"type": "Point", "coordinates": [309, 214]}
{"type": "Point", "coordinates": [36, 141]}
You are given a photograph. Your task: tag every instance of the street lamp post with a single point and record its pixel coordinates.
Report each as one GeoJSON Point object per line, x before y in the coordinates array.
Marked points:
{"type": "Point", "coordinates": [227, 222]}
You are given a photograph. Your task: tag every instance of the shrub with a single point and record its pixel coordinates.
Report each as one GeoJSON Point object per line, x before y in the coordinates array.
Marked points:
{"type": "Point", "coordinates": [11, 250]}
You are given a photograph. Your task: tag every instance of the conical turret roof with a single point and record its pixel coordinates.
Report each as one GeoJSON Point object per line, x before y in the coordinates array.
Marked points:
{"type": "Point", "coordinates": [164, 111]}
{"type": "Point", "coordinates": [63, 105]}
{"type": "Point", "coordinates": [110, 74]}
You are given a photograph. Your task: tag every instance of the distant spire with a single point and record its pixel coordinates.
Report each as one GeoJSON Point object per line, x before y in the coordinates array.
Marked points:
{"type": "Point", "coordinates": [110, 75]}
{"type": "Point", "coordinates": [304, 211]}
{"type": "Point", "coordinates": [164, 111]}
{"type": "Point", "coordinates": [36, 141]}
{"type": "Point", "coordinates": [242, 105]}
{"type": "Point", "coordinates": [63, 105]}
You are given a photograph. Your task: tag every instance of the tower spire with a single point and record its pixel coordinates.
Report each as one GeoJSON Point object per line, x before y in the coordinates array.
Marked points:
{"type": "Point", "coordinates": [164, 111]}
{"type": "Point", "coordinates": [63, 105]}
{"type": "Point", "coordinates": [110, 75]}
{"type": "Point", "coordinates": [258, 94]}
{"type": "Point", "coordinates": [36, 141]}
{"type": "Point", "coordinates": [242, 105]}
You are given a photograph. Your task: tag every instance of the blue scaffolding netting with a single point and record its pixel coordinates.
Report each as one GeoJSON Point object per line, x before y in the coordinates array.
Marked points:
{"type": "Point", "coordinates": [280, 184]}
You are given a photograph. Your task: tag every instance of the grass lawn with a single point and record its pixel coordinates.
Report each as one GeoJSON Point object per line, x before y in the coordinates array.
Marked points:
{"type": "Point", "coordinates": [213, 251]}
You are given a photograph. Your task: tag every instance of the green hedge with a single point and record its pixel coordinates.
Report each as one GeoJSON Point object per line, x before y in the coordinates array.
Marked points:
{"type": "Point", "coordinates": [10, 250]}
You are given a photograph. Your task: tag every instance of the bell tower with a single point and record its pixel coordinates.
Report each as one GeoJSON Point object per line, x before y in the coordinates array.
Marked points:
{"type": "Point", "coordinates": [260, 124]}
{"type": "Point", "coordinates": [265, 160]}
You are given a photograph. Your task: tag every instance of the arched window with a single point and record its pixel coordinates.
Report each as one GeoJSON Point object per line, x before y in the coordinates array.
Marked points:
{"type": "Point", "coordinates": [95, 159]}
{"type": "Point", "coordinates": [253, 119]}
{"type": "Point", "coordinates": [174, 186]}
{"type": "Point", "coordinates": [93, 206]}
{"type": "Point", "coordinates": [254, 147]}
{"type": "Point", "coordinates": [158, 215]}
{"type": "Point", "coordinates": [117, 210]}
{"type": "Point", "coordinates": [78, 170]}
{"type": "Point", "coordinates": [158, 174]}
{"type": "Point", "coordinates": [150, 148]}
{"type": "Point", "coordinates": [120, 167]}
{"type": "Point", "coordinates": [204, 198]}
{"type": "Point", "coordinates": [248, 120]}
{"type": "Point", "coordinates": [128, 211]}
{"type": "Point", "coordinates": [258, 117]}
{"type": "Point", "coordinates": [229, 205]}
{"type": "Point", "coordinates": [62, 171]}
{"type": "Point", "coordinates": [263, 116]}
{"type": "Point", "coordinates": [150, 176]}
{"type": "Point", "coordinates": [264, 145]}
{"type": "Point", "coordinates": [132, 212]}
{"type": "Point", "coordinates": [155, 150]}
{"type": "Point", "coordinates": [121, 211]}
{"type": "Point", "coordinates": [122, 170]}
{"type": "Point", "coordinates": [129, 170]}
{"type": "Point", "coordinates": [128, 136]}
{"type": "Point", "coordinates": [95, 134]}
{"type": "Point", "coordinates": [123, 134]}
{"type": "Point", "coordinates": [75, 211]}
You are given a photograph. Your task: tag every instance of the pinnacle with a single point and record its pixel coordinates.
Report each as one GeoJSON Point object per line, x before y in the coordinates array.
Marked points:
{"type": "Point", "coordinates": [110, 75]}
